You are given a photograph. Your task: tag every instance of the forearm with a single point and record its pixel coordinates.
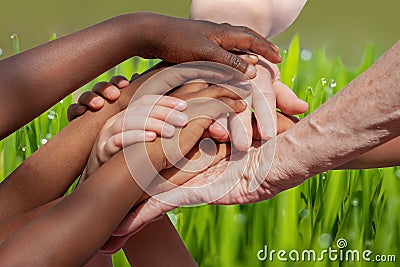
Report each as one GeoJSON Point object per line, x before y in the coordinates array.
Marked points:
{"type": "Point", "coordinates": [359, 118]}
{"type": "Point", "coordinates": [386, 155]}
{"type": "Point", "coordinates": [158, 244]}
{"type": "Point", "coordinates": [47, 174]}
{"type": "Point", "coordinates": [89, 216]}
{"type": "Point", "coordinates": [72, 61]}
{"type": "Point", "coordinates": [9, 227]}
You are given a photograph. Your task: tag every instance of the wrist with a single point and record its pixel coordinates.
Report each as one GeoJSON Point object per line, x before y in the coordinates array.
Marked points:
{"type": "Point", "coordinates": [150, 31]}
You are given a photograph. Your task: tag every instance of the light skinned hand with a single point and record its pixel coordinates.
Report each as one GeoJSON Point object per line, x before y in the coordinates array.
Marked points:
{"type": "Point", "coordinates": [267, 94]}
{"type": "Point", "coordinates": [154, 115]}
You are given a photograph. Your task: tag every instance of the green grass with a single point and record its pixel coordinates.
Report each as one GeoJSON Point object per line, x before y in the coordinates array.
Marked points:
{"type": "Point", "coordinates": [360, 206]}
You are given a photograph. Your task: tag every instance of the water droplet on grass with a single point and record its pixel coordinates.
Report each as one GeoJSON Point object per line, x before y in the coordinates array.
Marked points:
{"type": "Point", "coordinates": [355, 202]}
{"type": "Point", "coordinates": [323, 81]}
{"type": "Point", "coordinates": [325, 240]}
{"type": "Point", "coordinates": [240, 218]}
{"type": "Point", "coordinates": [43, 141]}
{"type": "Point", "coordinates": [303, 213]}
{"type": "Point", "coordinates": [306, 55]}
{"type": "Point", "coordinates": [51, 115]}
{"type": "Point", "coordinates": [332, 84]}
{"type": "Point", "coordinates": [23, 149]}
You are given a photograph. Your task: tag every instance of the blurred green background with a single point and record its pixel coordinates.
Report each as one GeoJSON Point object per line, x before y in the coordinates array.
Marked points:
{"type": "Point", "coordinates": [343, 26]}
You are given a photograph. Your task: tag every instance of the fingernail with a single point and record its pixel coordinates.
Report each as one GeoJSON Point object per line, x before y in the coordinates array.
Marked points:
{"type": "Point", "coordinates": [182, 105]}
{"type": "Point", "coordinates": [113, 93]}
{"type": "Point", "coordinates": [97, 101]}
{"type": "Point", "coordinates": [251, 71]}
{"type": "Point", "coordinates": [150, 135]}
{"type": "Point", "coordinates": [168, 130]}
{"type": "Point", "coordinates": [182, 119]}
{"type": "Point", "coordinates": [255, 57]}
{"type": "Point", "coordinates": [303, 102]}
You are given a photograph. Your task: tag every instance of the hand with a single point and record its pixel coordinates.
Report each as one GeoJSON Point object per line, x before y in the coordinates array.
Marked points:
{"type": "Point", "coordinates": [152, 115]}
{"type": "Point", "coordinates": [268, 92]}
{"type": "Point", "coordinates": [182, 40]}
{"type": "Point", "coordinates": [95, 99]}
{"type": "Point", "coordinates": [153, 209]}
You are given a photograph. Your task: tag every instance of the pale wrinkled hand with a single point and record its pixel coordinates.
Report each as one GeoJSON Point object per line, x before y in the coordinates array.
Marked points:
{"type": "Point", "coordinates": [241, 163]}
{"type": "Point", "coordinates": [240, 180]}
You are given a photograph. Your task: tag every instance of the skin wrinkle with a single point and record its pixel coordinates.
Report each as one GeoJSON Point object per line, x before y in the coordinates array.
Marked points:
{"type": "Point", "coordinates": [341, 139]}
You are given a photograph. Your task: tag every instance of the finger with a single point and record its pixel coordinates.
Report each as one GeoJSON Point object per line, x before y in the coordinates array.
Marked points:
{"type": "Point", "coordinates": [219, 91]}
{"type": "Point", "coordinates": [222, 56]}
{"type": "Point", "coordinates": [91, 100]}
{"type": "Point", "coordinates": [116, 142]}
{"type": "Point", "coordinates": [144, 214]}
{"type": "Point", "coordinates": [250, 58]}
{"type": "Point", "coordinates": [169, 115]}
{"type": "Point", "coordinates": [149, 124]}
{"type": "Point", "coordinates": [106, 90]}
{"type": "Point", "coordinates": [264, 103]}
{"type": "Point", "coordinates": [285, 122]}
{"type": "Point", "coordinates": [119, 81]}
{"type": "Point", "coordinates": [243, 38]}
{"type": "Point", "coordinates": [195, 162]}
{"type": "Point", "coordinates": [166, 101]}
{"type": "Point", "coordinates": [75, 110]}
{"type": "Point", "coordinates": [219, 129]}
{"type": "Point", "coordinates": [179, 74]}
{"type": "Point", "coordinates": [287, 101]}
{"type": "Point", "coordinates": [114, 243]}
{"type": "Point", "coordinates": [134, 76]}
{"type": "Point", "coordinates": [236, 106]}
{"type": "Point", "coordinates": [241, 130]}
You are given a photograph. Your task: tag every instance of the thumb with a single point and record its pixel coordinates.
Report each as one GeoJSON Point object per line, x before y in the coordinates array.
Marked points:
{"type": "Point", "coordinates": [287, 101]}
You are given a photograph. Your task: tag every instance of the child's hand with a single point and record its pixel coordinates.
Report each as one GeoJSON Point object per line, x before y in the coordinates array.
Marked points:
{"type": "Point", "coordinates": [153, 115]}
{"type": "Point", "coordinates": [95, 99]}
